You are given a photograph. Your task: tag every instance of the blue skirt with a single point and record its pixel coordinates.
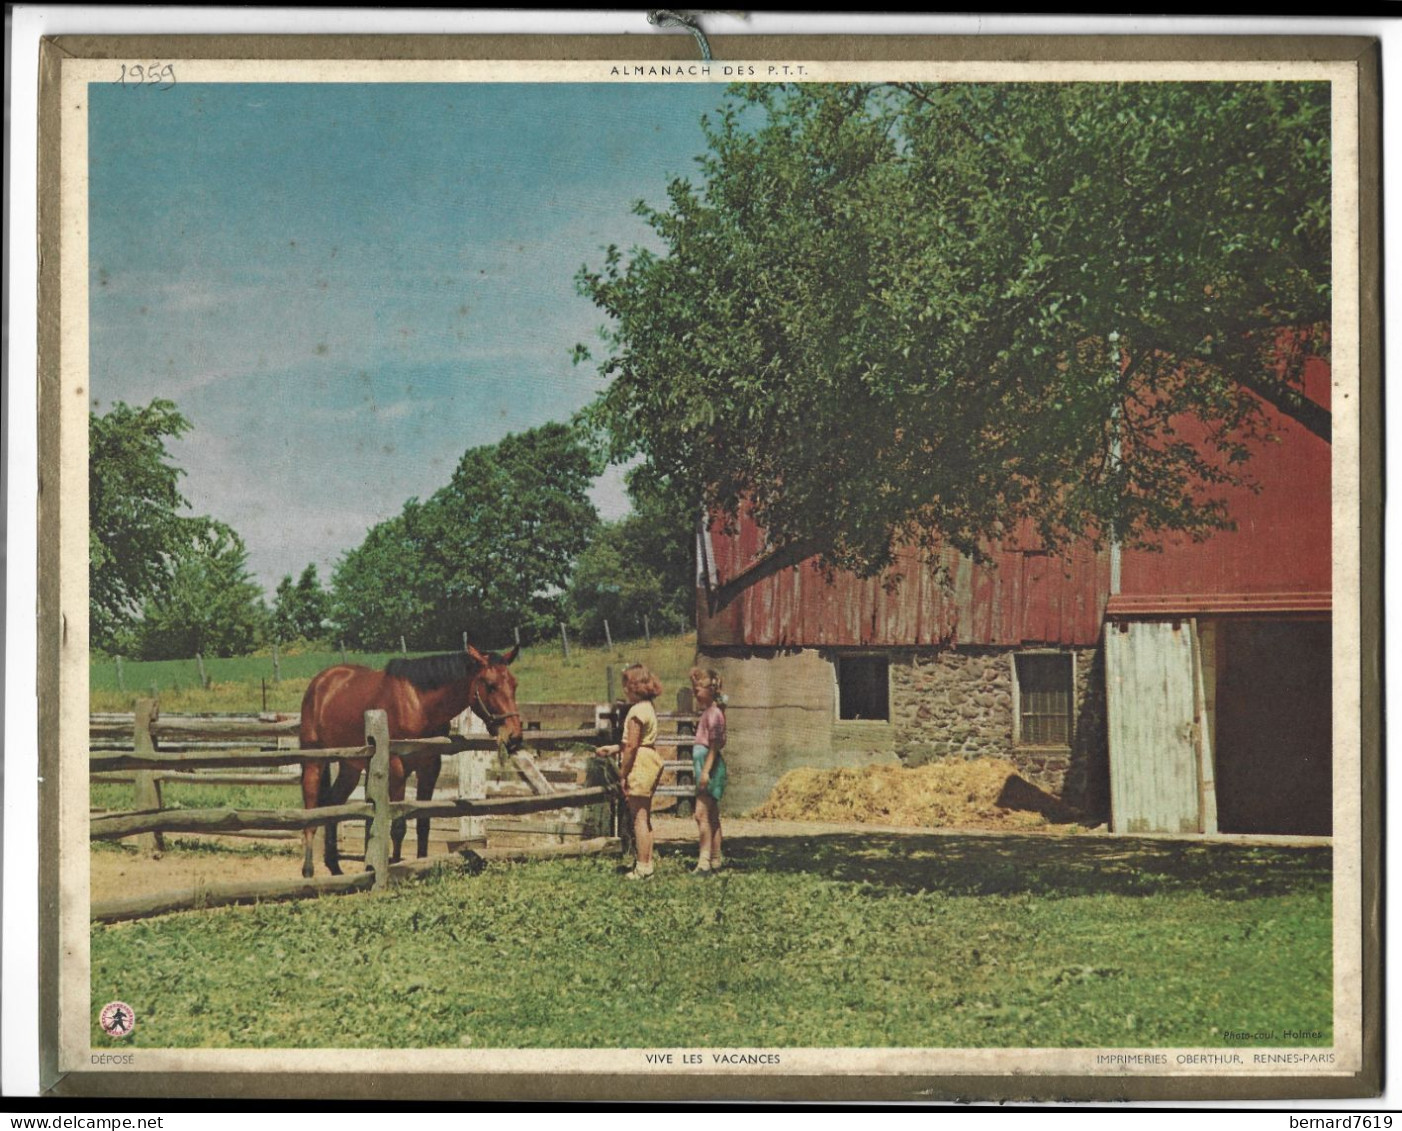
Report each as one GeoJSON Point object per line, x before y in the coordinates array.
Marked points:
{"type": "Point", "coordinates": [716, 786]}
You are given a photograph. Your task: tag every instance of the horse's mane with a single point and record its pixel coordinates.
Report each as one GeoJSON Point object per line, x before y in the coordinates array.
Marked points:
{"type": "Point", "coordinates": [429, 672]}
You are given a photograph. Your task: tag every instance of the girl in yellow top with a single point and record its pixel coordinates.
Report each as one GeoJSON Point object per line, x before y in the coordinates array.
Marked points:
{"type": "Point", "coordinates": [639, 763]}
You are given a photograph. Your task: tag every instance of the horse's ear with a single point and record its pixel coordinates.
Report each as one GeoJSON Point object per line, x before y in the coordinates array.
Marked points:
{"type": "Point", "coordinates": [475, 656]}
{"type": "Point", "coordinates": [511, 656]}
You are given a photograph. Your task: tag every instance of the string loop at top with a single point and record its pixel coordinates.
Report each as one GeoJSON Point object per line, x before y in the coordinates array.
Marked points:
{"type": "Point", "coordinates": [663, 17]}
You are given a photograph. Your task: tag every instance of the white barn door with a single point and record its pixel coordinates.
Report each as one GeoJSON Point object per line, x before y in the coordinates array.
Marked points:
{"type": "Point", "coordinates": [1157, 743]}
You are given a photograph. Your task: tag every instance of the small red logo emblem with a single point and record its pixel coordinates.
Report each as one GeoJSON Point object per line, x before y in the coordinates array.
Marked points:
{"type": "Point", "coordinates": [117, 1019]}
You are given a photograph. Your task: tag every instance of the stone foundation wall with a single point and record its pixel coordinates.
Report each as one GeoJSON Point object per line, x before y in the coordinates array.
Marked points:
{"type": "Point", "coordinates": [952, 704]}
{"type": "Point", "coordinates": [958, 703]}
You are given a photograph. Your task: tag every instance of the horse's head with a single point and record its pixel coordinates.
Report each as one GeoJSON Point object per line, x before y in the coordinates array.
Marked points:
{"type": "Point", "coordinates": [494, 695]}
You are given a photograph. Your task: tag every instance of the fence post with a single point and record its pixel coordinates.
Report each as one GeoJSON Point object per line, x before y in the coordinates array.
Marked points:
{"type": "Point", "coordinates": [472, 786]}
{"type": "Point", "coordinates": [204, 679]}
{"type": "Point", "coordinates": [472, 766]}
{"type": "Point", "coordinates": [608, 674]}
{"type": "Point", "coordinates": [277, 667]}
{"type": "Point", "coordinates": [377, 793]}
{"type": "Point", "coordinates": [148, 789]}
{"type": "Point", "coordinates": [402, 647]}
{"type": "Point", "coordinates": [517, 631]}
{"type": "Point", "coordinates": [565, 640]}
{"type": "Point", "coordinates": [121, 683]}
{"type": "Point", "coordinates": [608, 636]}
{"type": "Point", "coordinates": [647, 632]}
{"type": "Point", "coordinates": [343, 651]}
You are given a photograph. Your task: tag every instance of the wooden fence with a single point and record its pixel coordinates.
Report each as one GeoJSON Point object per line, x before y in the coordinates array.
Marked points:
{"type": "Point", "coordinates": [210, 743]}
{"type": "Point", "coordinates": [233, 735]}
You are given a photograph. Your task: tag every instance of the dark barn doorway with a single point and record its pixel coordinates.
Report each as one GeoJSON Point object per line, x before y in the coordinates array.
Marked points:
{"type": "Point", "coordinates": [1274, 739]}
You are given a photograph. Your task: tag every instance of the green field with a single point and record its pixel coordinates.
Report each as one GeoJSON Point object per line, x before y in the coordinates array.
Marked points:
{"type": "Point", "coordinates": [543, 673]}
{"type": "Point", "coordinates": [194, 795]}
{"type": "Point", "coordinates": [834, 940]}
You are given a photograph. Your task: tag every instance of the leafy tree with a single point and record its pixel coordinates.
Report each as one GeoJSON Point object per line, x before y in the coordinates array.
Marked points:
{"type": "Point", "coordinates": [662, 533]}
{"type": "Point", "coordinates": [611, 584]}
{"type": "Point", "coordinates": [133, 521]}
{"type": "Point", "coordinates": [489, 552]}
{"type": "Point", "coordinates": [642, 565]}
{"type": "Point", "coordinates": [300, 610]}
{"type": "Point", "coordinates": [209, 603]}
{"type": "Point", "coordinates": [507, 529]}
{"type": "Point", "coordinates": [926, 313]}
{"type": "Point", "coordinates": [378, 590]}
{"type": "Point", "coordinates": [281, 622]}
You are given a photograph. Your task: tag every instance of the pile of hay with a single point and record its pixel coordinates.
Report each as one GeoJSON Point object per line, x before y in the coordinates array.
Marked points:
{"type": "Point", "coordinates": [981, 793]}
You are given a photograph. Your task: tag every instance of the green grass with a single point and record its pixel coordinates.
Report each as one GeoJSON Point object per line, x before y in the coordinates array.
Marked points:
{"type": "Point", "coordinates": [833, 940]}
{"type": "Point", "coordinates": [237, 683]}
{"type": "Point", "coordinates": [194, 795]}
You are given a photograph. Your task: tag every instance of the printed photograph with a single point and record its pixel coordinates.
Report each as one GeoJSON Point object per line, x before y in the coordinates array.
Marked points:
{"type": "Point", "coordinates": [706, 565]}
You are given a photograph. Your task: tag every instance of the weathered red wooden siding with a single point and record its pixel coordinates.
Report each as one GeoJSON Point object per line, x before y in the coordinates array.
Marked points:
{"type": "Point", "coordinates": [1027, 598]}
{"type": "Point", "coordinates": [1279, 558]}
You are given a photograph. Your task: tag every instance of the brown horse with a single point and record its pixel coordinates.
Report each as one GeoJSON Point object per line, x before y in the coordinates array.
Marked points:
{"type": "Point", "coordinates": [420, 697]}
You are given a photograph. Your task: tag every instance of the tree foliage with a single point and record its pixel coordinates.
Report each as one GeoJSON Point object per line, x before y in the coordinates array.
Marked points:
{"type": "Point", "coordinates": [662, 532]}
{"type": "Point", "coordinates": [133, 514]}
{"type": "Point", "coordinates": [920, 313]}
{"type": "Point", "coordinates": [209, 603]}
{"type": "Point", "coordinates": [488, 553]}
{"type": "Point", "coordinates": [640, 566]}
{"type": "Point", "coordinates": [300, 609]}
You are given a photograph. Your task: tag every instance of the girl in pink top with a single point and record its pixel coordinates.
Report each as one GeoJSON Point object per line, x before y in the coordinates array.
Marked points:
{"type": "Point", "coordinates": [707, 755]}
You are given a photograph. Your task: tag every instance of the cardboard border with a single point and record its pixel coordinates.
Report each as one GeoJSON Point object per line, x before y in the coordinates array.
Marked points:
{"type": "Point", "coordinates": [1363, 52]}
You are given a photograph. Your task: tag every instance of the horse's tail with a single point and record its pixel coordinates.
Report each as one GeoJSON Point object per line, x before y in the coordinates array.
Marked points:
{"type": "Point", "coordinates": [308, 735]}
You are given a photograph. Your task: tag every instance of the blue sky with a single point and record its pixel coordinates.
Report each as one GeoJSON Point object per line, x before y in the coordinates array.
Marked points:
{"type": "Point", "coordinates": [344, 287]}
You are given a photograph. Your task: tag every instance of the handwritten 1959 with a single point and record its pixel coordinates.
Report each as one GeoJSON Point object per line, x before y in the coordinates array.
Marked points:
{"type": "Point", "coordinates": [159, 75]}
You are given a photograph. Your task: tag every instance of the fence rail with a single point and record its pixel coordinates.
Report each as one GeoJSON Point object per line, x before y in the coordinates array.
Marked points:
{"type": "Point", "coordinates": [115, 825]}
{"type": "Point", "coordinates": [175, 728]}
{"type": "Point", "coordinates": [118, 777]}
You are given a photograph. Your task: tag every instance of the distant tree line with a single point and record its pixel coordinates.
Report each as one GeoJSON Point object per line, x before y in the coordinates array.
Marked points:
{"type": "Point", "coordinates": [510, 545]}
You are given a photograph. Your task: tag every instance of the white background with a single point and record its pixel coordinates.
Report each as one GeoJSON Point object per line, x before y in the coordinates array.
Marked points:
{"type": "Point", "coordinates": [19, 957]}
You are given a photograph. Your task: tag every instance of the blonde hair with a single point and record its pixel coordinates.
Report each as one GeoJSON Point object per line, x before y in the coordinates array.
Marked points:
{"type": "Point", "coordinates": [706, 677]}
{"type": "Point", "coordinates": [638, 679]}
{"type": "Point", "coordinates": [710, 680]}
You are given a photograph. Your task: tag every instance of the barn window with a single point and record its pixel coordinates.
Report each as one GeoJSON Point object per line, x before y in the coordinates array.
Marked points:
{"type": "Point", "coordinates": [863, 688]}
{"type": "Point", "coordinates": [1044, 681]}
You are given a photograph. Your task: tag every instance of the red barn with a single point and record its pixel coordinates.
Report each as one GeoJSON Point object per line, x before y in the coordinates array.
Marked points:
{"type": "Point", "coordinates": [1181, 690]}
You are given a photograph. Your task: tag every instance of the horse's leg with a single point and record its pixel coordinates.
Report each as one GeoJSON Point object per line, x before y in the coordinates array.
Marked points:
{"type": "Point", "coordinates": [312, 774]}
{"type": "Point", "coordinates": [398, 779]}
{"type": "Point", "coordinates": [427, 778]}
{"type": "Point", "coordinates": [346, 779]}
